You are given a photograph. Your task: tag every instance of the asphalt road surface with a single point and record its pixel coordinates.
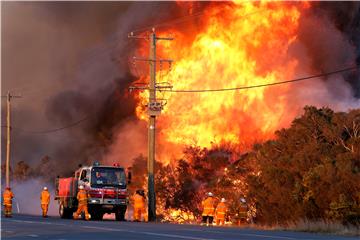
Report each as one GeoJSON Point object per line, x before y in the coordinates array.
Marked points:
{"type": "Point", "coordinates": [35, 227]}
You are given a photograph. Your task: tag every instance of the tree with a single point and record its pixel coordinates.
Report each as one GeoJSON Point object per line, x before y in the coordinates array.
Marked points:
{"type": "Point", "coordinates": [309, 167]}
{"type": "Point", "coordinates": [22, 171]}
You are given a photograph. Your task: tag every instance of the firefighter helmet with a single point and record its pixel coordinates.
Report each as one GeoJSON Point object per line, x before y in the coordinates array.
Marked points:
{"type": "Point", "coordinates": [45, 188]}
{"type": "Point", "coordinates": [223, 200]}
{"type": "Point", "coordinates": [243, 200]}
{"type": "Point", "coordinates": [210, 194]}
{"type": "Point", "coordinates": [81, 187]}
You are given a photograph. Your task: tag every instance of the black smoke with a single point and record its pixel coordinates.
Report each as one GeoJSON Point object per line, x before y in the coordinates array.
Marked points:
{"type": "Point", "coordinates": [345, 17]}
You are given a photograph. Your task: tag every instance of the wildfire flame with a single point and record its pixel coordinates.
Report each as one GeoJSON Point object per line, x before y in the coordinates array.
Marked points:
{"type": "Point", "coordinates": [238, 44]}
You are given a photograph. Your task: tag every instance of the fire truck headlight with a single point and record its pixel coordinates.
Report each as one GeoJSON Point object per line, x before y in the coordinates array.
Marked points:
{"type": "Point", "coordinates": [95, 201]}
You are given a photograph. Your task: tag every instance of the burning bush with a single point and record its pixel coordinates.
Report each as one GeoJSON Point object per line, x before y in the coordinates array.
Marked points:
{"type": "Point", "coordinates": [310, 171]}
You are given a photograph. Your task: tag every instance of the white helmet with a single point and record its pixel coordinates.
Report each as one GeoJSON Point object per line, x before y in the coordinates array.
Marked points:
{"type": "Point", "coordinates": [210, 194]}
{"type": "Point", "coordinates": [223, 200]}
{"type": "Point", "coordinates": [243, 200]}
{"type": "Point", "coordinates": [81, 187]}
{"type": "Point", "coordinates": [45, 188]}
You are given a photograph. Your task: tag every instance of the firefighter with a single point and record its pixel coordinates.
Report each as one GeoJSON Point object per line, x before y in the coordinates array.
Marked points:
{"type": "Point", "coordinates": [139, 205]}
{"type": "Point", "coordinates": [82, 198]}
{"type": "Point", "coordinates": [7, 198]}
{"type": "Point", "coordinates": [45, 201]}
{"type": "Point", "coordinates": [243, 209]}
{"type": "Point", "coordinates": [208, 209]}
{"type": "Point", "coordinates": [100, 179]}
{"type": "Point", "coordinates": [220, 212]}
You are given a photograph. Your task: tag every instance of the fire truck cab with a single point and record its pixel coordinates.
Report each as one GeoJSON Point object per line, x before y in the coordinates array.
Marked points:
{"type": "Point", "coordinates": [106, 186]}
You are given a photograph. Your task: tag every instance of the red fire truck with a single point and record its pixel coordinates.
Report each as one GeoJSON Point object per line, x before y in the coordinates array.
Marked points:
{"type": "Point", "coordinates": [106, 186]}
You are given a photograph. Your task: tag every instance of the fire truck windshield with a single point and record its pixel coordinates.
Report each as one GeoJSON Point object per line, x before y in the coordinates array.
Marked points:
{"type": "Point", "coordinates": [107, 176]}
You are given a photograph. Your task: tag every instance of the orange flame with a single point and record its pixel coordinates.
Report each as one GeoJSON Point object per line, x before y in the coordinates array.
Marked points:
{"type": "Point", "coordinates": [239, 44]}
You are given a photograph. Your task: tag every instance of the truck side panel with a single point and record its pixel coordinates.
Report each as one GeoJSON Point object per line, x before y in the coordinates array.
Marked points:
{"type": "Point", "coordinates": [66, 192]}
{"type": "Point", "coordinates": [67, 187]}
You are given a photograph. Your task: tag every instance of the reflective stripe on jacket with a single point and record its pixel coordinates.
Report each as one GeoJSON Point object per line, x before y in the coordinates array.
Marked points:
{"type": "Point", "coordinates": [208, 206]}
{"type": "Point", "coordinates": [82, 197]}
{"type": "Point", "coordinates": [45, 197]}
{"type": "Point", "coordinates": [243, 210]}
{"type": "Point", "coordinates": [221, 210]}
{"type": "Point", "coordinates": [7, 197]}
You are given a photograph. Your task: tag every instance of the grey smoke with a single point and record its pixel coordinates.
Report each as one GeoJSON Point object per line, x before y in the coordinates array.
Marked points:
{"type": "Point", "coordinates": [323, 46]}
{"type": "Point", "coordinates": [27, 197]}
{"type": "Point", "coordinates": [71, 59]}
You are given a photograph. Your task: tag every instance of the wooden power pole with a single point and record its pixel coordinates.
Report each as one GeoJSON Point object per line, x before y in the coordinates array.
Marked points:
{"type": "Point", "coordinates": [8, 136]}
{"type": "Point", "coordinates": [151, 131]}
{"type": "Point", "coordinates": [154, 108]}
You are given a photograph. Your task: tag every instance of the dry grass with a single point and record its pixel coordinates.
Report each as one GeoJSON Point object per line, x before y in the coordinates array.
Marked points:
{"type": "Point", "coordinates": [322, 227]}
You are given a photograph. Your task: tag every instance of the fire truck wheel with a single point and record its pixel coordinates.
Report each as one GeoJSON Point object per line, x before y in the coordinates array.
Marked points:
{"type": "Point", "coordinates": [64, 212]}
{"type": "Point", "coordinates": [120, 214]}
{"type": "Point", "coordinates": [97, 216]}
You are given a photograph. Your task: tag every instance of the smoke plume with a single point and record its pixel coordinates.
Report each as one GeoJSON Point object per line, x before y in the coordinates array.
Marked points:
{"type": "Point", "coordinates": [27, 197]}
{"type": "Point", "coordinates": [71, 60]}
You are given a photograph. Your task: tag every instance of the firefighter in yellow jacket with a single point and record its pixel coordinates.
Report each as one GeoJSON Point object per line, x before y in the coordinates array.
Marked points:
{"type": "Point", "coordinates": [7, 198]}
{"type": "Point", "coordinates": [243, 211]}
{"type": "Point", "coordinates": [139, 205]}
{"type": "Point", "coordinates": [208, 209]}
{"type": "Point", "coordinates": [82, 198]}
{"type": "Point", "coordinates": [221, 212]}
{"type": "Point", "coordinates": [45, 201]}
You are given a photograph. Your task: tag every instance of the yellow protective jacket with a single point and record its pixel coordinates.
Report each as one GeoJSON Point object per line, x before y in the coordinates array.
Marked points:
{"type": "Point", "coordinates": [221, 210]}
{"type": "Point", "coordinates": [7, 197]}
{"type": "Point", "coordinates": [139, 201]}
{"type": "Point", "coordinates": [82, 197]}
{"type": "Point", "coordinates": [208, 206]}
{"type": "Point", "coordinates": [243, 210]}
{"type": "Point", "coordinates": [45, 197]}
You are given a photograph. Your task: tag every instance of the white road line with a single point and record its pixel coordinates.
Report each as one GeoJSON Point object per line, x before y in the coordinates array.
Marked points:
{"type": "Point", "coordinates": [149, 233]}
{"type": "Point", "coordinates": [248, 234]}
{"type": "Point", "coordinates": [269, 236]}
{"type": "Point", "coordinates": [47, 223]}
{"type": "Point", "coordinates": [107, 229]}
{"type": "Point", "coordinates": [33, 235]}
{"type": "Point", "coordinates": [168, 235]}
{"type": "Point", "coordinates": [176, 236]}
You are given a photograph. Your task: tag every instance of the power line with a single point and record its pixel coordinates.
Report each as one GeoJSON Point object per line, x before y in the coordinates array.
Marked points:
{"type": "Point", "coordinates": [261, 85]}
{"type": "Point", "coordinates": [171, 22]}
{"type": "Point", "coordinates": [199, 90]}
{"type": "Point", "coordinates": [51, 130]}
{"type": "Point", "coordinates": [186, 18]}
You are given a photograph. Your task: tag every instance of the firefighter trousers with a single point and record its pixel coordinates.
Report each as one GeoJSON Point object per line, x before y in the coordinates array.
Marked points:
{"type": "Point", "coordinates": [138, 214]}
{"type": "Point", "coordinates": [7, 210]}
{"type": "Point", "coordinates": [220, 221]}
{"type": "Point", "coordinates": [44, 208]}
{"type": "Point", "coordinates": [82, 208]}
{"type": "Point", "coordinates": [207, 219]}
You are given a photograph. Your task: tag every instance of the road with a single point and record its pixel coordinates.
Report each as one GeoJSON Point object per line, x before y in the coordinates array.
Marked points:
{"type": "Point", "coordinates": [34, 227]}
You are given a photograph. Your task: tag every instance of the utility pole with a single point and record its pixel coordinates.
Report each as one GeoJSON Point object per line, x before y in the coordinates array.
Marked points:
{"type": "Point", "coordinates": [154, 108]}
{"type": "Point", "coordinates": [151, 133]}
{"type": "Point", "coordinates": [8, 136]}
